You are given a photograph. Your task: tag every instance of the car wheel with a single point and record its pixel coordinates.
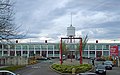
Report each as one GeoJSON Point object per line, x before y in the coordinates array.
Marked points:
{"type": "Point", "coordinates": [111, 68]}
{"type": "Point", "coordinates": [104, 73]}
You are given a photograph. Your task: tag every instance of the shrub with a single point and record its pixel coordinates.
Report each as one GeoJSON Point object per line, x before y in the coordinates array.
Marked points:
{"type": "Point", "coordinates": [68, 68]}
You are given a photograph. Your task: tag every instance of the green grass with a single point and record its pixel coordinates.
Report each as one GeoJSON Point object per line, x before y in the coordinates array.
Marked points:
{"type": "Point", "coordinates": [12, 68]}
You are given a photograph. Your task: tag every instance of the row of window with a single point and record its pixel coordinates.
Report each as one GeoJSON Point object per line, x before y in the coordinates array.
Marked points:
{"type": "Point", "coordinates": [56, 46]}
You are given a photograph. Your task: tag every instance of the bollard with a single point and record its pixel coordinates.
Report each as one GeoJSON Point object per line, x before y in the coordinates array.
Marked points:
{"type": "Point", "coordinates": [73, 71]}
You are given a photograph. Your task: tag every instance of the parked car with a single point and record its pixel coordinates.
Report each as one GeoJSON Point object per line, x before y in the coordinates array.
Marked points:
{"type": "Point", "coordinates": [44, 58]}
{"type": "Point", "coordinates": [108, 66]}
{"type": "Point", "coordinates": [5, 72]}
{"type": "Point", "coordinates": [87, 73]}
{"type": "Point", "coordinates": [64, 57]}
{"type": "Point", "coordinates": [92, 58]}
{"type": "Point", "coordinates": [109, 62]}
{"type": "Point", "coordinates": [100, 69]}
{"type": "Point", "coordinates": [100, 59]}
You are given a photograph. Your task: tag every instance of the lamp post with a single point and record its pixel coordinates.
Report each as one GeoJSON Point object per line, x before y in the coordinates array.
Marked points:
{"type": "Point", "coordinates": [47, 48]}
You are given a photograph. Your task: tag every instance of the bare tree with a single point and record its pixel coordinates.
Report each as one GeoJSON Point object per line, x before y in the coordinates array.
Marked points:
{"type": "Point", "coordinates": [7, 26]}
{"type": "Point", "coordinates": [84, 42]}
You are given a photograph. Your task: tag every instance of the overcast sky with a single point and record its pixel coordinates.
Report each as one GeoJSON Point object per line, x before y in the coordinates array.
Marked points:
{"type": "Point", "coordinates": [49, 19]}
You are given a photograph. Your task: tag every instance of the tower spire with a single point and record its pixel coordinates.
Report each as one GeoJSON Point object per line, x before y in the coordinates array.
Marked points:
{"type": "Point", "coordinates": [71, 18]}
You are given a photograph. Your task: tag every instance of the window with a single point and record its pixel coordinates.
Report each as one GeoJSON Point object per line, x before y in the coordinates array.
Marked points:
{"type": "Point", "coordinates": [50, 52]}
{"type": "Point", "coordinates": [92, 52]}
{"type": "Point", "coordinates": [12, 46]}
{"type": "Point", "coordinates": [56, 46]}
{"type": "Point", "coordinates": [37, 47]}
{"type": "Point", "coordinates": [31, 47]}
{"type": "Point", "coordinates": [56, 52]}
{"type": "Point", "coordinates": [5, 73]}
{"type": "Point", "coordinates": [86, 47]}
{"type": "Point", "coordinates": [24, 52]}
{"type": "Point", "coordinates": [98, 47]}
{"type": "Point", "coordinates": [18, 47]}
{"type": "Point", "coordinates": [0, 46]}
{"type": "Point", "coordinates": [105, 47]}
{"type": "Point", "coordinates": [44, 47]}
{"type": "Point", "coordinates": [92, 47]}
{"type": "Point", "coordinates": [50, 47]}
{"type": "Point", "coordinates": [5, 52]}
{"type": "Point", "coordinates": [24, 47]}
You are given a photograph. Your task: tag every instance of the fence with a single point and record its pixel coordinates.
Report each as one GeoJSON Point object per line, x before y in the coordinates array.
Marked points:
{"type": "Point", "coordinates": [18, 60]}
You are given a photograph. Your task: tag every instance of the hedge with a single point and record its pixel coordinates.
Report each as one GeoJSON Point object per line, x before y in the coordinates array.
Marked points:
{"type": "Point", "coordinates": [68, 68]}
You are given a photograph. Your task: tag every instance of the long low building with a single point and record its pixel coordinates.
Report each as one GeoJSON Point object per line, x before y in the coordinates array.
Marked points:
{"type": "Point", "coordinates": [53, 50]}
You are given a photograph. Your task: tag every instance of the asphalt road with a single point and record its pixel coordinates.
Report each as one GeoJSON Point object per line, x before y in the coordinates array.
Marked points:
{"type": "Point", "coordinates": [114, 71]}
{"type": "Point", "coordinates": [41, 68]}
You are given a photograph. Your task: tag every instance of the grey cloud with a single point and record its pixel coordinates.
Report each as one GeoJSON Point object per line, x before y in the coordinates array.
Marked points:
{"type": "Point", "coordinates": [48, 17]}
{"type": "Point", "coordinates": [106, 31]}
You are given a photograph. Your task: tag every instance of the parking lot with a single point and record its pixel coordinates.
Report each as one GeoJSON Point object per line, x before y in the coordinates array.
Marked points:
{"type": "Point", "coordinates": [114, 71]}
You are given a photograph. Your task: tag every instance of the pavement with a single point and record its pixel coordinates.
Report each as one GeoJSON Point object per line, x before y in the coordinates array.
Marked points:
{"type": "Point", "coordinates": [3, 66]}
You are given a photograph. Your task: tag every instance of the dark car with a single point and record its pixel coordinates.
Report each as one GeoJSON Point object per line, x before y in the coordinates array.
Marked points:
{"type": "Point", "coordinates": [87, 73]}
{"type": "Point", "coordinates": [109, 62]}
{"type": "Point", "coordinates": [100, 69]}
{"type": "Point", "coordinates": [99, 59]}
{"type": "Point", "coordinates": [108, 65]}
{"type": "Point", "coordinates": [44, 58]}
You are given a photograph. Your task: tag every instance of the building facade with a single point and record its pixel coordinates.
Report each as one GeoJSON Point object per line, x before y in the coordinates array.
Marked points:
{"type": "Point", "coordinates": [52, 49]}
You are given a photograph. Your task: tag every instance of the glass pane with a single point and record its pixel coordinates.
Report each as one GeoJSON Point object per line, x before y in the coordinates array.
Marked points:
{"type": "Point", "coordinates": [105, 47]}
{"type": "Point", "coordinates": [92, 47]}
{"type": "Point", "coordinates": [98, 47]}
{"type": "Point", "coordinates": [86, 47]}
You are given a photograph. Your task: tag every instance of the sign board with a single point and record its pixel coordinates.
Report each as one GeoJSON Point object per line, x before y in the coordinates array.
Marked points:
{"type": "Point", "coordinates": [119, 51]}
{"type": "Point", "coordinates": [118, 48]}
{"type": "Point", "coordinates": [114, 50]}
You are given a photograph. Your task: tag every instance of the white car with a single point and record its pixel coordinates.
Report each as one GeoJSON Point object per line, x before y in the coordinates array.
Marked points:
{"type": "Point", "coordinates": [5, 72]}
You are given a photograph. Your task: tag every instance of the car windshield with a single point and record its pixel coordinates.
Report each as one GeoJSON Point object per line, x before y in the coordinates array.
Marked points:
{"type": "Point", "coordinates": [5, 73]}
{"type": "Point", "coordinates": [108, 61]}
{"type": "Point", "coordinates": [100, 67]}
{"type": "Point", "coordinates": [88, 74]}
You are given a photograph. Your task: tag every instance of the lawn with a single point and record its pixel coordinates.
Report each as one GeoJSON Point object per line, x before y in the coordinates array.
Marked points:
{"type": "Point", "coordinates": [12, 68]}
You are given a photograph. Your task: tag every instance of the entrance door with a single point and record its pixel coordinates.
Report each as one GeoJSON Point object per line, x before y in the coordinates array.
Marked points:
{"type": "Point", "coordinates": [44, 53]}
{"type": "Point", "coordinates": [98, 53]}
